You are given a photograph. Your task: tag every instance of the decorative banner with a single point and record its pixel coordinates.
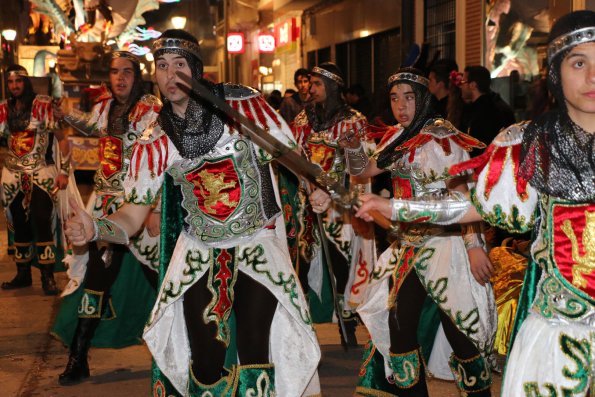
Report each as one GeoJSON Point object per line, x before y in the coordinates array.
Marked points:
{"type": "Point", "coordinates": [266, 42]}
{"type": "Point", "coordinates": [235, 43]}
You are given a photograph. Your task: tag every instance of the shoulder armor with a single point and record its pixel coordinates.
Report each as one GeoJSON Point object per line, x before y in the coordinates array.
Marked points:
{"type": "Point", "coordinates": [43, 98]}
{"type": "Point", "coordinates": [355, 115]}
{"type": "Point", "coordinates": [151, 100]}
{"type": "Point", "coordinates": [512, 135]}
{"type": "Point", "coordinates": [239, 91]}
{"type": "Point", "coordinates": [439, 128]}
{"type": "Point", "coordinates": [301, 119]}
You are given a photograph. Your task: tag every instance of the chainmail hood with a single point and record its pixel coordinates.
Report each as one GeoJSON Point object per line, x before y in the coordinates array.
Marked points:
{"type": "Point", "coordinates": [558, 155]}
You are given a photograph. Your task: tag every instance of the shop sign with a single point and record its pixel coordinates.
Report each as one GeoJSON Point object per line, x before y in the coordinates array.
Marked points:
{"type": "Point", "coordinates": [266, 42]}
{"type": "Point", "coordinates": [286, 32]}
{"type": "Point", "coordinates": [235, 43]}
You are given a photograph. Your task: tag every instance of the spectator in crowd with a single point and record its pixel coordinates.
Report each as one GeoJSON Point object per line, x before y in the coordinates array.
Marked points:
{"type": "Point", "coordinates": [290, 107]}
{"type": "Point", "coordinates": [439, 78]}
{"type": "Point", "coordinates": [486, 112]}
{"type": "Point", "coordinates": [274, 99]}
{"type": "Point", "coordinates": [356, 97]}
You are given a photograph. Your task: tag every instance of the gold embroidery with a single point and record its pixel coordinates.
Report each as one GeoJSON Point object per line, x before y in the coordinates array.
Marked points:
{"type": "Point", "coordinates": [214, 183]}
{"type": "Point", "coordinates": [111, 155]}
{"type": "Point", "coordinates": [584, 264]}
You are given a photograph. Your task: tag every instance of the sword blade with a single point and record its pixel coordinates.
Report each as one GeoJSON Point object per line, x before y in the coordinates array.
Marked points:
{"type": "Point", "coordinates": [282, 153]}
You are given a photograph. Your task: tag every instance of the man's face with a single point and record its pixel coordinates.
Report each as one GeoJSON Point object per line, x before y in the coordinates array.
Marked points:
{"type": "Point", "coordinates": [466, 91]}
{"type": "Point", "coordinates": [16, 85]}
{"type": "Point", "coordinates": [433, 86]}
{"type": "Point", "coordinates": [302, 84]}
{"type": "Point", "coordinates": [166, 67]}
{"type": "Point", "coordinates": [402, 103]}
{"type": "Point", "coordinates": [121, 77]}
{"type": "Point", "coordinates": [317, 89]}
{"type": "Point", "coordinates": [577, 72]}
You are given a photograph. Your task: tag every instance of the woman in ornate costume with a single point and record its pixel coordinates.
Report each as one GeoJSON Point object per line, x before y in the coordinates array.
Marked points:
{"type": "Point", "coordinates": [425, 259]}
{"type": "Point", "coordinates": [31, 178]}
{"type": "Point", "coordinates": [228, 256]}
{"type": "Point", "coordinates": [540, 176]}
{"type": "Point", "coordinates": [114, 299]}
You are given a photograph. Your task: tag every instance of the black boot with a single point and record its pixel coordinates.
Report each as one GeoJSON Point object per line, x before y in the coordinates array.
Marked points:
{"type": "Point", "coordinates": [47, 280]}
{"type": "Point", "coordinates": [350, 340]}
{"type": "Point", "coordinates": [22, 279]}
{"type": "Point", "coordinates": [77, 368]}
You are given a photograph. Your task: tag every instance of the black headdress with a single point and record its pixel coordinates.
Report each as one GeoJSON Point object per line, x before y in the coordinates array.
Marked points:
{"type": "Point", "coordinates": [423, 111]}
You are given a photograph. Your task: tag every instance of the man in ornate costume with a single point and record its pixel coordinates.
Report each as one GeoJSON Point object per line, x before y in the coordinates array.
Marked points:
{"type": "Point", "coordinates": [227, 256]}
{"type": "Point", "coordinates": [425, 259]}
{"type": "Point", "coordinates": [540, 176]}
{"type": "Point", "coordinates": [30, 178]}
{"type": "Point", "coordinates": [318, 128]}
{"type": "Point", "coordinates": [114, 289]}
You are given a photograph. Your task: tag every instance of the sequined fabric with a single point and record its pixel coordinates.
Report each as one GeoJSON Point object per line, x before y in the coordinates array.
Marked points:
{"type": "Point", "coordinates": [559, 158]}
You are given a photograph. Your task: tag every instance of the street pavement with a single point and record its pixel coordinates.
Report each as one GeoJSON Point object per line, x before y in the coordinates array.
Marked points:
{"type": "Point", "coordinates": [31, 359]}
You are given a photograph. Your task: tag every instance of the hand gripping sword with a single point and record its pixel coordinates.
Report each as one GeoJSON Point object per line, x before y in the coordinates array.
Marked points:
{"type": "Point", "coordinates": [296, 163]}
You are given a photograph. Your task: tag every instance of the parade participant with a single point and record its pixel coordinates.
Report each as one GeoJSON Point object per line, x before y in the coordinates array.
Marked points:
{"type": "Point", "coordinates": [540, 176]}
{"type": "Point", "coordinates": [318, 129]}
{"type": "Point", "coordinates": [425, 260]}
{"type": "Point", "coordinates": [31, 178]}
{"type": "Point", "coordinates": [117, 118]}
{"type": "Point", "coordinates": [228, 256]}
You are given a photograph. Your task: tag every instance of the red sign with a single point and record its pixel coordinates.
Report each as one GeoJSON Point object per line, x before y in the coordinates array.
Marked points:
{"type": "Point", "coordinates": [266, 42]}
{"type": "Point", "coordinates": [235, 43]}
{"type": "Point", "coordinates": [286, 32]}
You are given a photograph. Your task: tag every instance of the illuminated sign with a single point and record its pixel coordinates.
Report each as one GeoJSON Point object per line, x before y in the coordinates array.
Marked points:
{"type": "Point", "coordinates": [286, 32]}
{"type": "Point", "coordinates": [235, 43]}
{"type": "Point", "coordinates": [266, 42]}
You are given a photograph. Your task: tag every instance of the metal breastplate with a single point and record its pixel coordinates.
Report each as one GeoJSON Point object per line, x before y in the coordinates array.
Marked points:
{"type": "Point", "coordinates": [227, 194]}
{"type": "Point", "coordinates": [27, 150]}
{"type": "Point", "coordinates": [410, 181]}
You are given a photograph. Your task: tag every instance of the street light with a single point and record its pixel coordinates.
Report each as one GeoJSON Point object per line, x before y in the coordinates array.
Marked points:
{"type": "Point", "coordinates": [178, 22]}
{"type": "Point", "coordinates": [8, 48]}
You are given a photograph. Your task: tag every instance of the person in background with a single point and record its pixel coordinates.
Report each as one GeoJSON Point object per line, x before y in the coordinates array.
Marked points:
{"type": "Point", "coordinates": [31, 177]}
{"type": "Point", "coordinates": [292, 106]}
{"type": "Point", "coordinates": [439, 84]}
{"type": "Point", "coordinates": [486, 112]}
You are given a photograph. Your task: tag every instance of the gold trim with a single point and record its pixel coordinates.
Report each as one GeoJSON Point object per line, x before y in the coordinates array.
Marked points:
{"type": "Point", "coordinates": [406, 76]}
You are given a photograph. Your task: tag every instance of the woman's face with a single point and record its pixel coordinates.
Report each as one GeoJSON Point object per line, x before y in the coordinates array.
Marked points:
{"type": "Point", "coordinates": [402, 103]}
{"type": "Point", "coordinates": [577, 72]}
